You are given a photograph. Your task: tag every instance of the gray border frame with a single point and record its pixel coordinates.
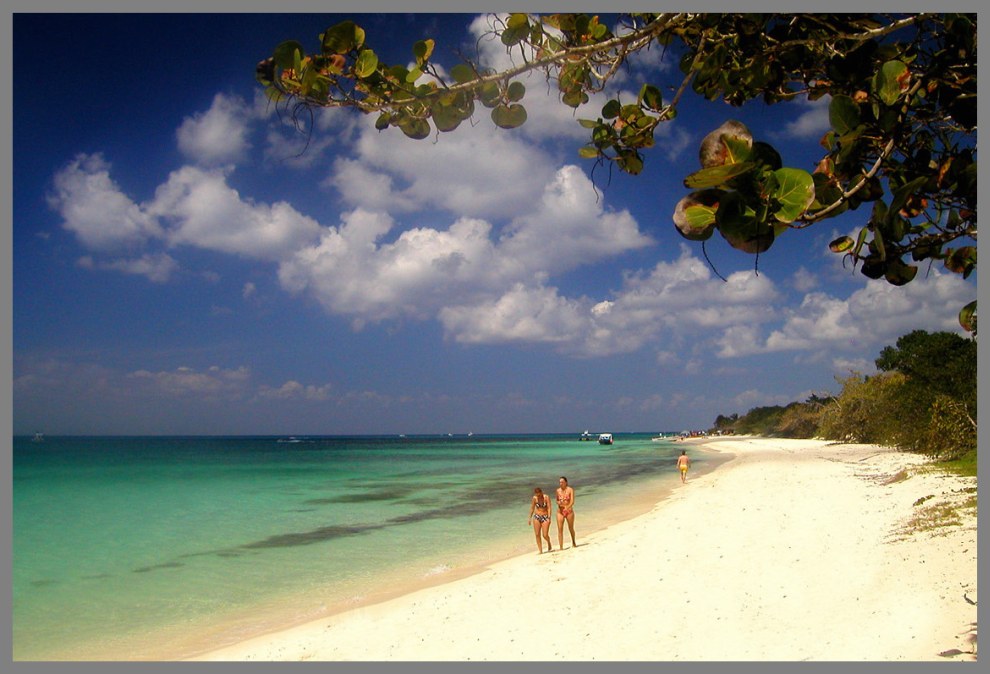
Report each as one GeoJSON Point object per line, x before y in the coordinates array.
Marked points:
{"type": "Point", "coordinates": [338, 6]}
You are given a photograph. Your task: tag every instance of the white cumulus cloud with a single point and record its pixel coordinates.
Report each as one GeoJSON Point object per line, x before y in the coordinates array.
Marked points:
{"type": "Point", "coordinates": [94, 208]}
{"type": "Point", "coordinates": [217, 136]}
{"type": "Point", "coordinates": [204, 211]}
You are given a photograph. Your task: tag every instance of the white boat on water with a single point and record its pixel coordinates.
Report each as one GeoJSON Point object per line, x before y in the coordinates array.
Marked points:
{"type": "Point", "coordinates": [605, 439]}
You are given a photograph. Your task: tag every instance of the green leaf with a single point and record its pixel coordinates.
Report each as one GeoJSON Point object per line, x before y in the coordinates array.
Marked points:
{"type": "Point", "coordinates": [415, 128]}
{"type": "Point", "coordinates": [588, 152]}
{"type": "Point", "coordinates": [738, 224]}
{"type": "Point", "coordinates": [516, 29]}
{"type": "Point", "coordinates": [794, 194]}
{"type": "Point", "coordinates": [383, 121]}
{"type": "Point", "coordinates": [422, 50]}
{"type": "Point", "coordinates": [611, 109]}
{"type": "Point", "coordinates": [842, 245]}
{"type": "Point", "coordinates": [446, 117]}
{"type": "Point", "coordinates": [903, 193]}
{"type": "Point", "coordinates": [490, 94]}
{"type": "Point", "coordinates": [509, 116]}
{"type": "Point", "coordinates": [738, 149]}
{"type": "Point", "coordinates": [891, 81]}
{"type": "Point", "coordinates": [650, 97]}
{"type": "Point", "coordinates": [843, 114]}
{"type": "Point", "coordinates": [873, 268]}
{"type": "Point", "coordinates": [766, 154]}
{"type": "Point", "coordinates": [286, 54]}
{"type": "Point", "coordinates": [962, 261]}
{"type": "Point", "coordinates": [574, 98]}
{"type": "Point", "coordinates": [717, 175]}
{"type": "Point", "coordinates": [967, 317]}
{"type": "Point", "coordinates": [366, 63]}
{"type": "Point", "coordinates": [462, 73]}
{"type": "Point", "coordinates": [630, 162]}
{"type": "Point", "coordinates": [897, 273]}
{"type": "Point", "coordinates": [342, 38]}
{"type": "Point", "coordinates": [694, 215]}
{"type": "Point", "coordinates": [516, 91]}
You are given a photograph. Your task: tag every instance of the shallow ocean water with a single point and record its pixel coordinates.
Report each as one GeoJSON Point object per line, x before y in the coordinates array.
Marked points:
{"type": "Point", "coordinates": [157, 548]}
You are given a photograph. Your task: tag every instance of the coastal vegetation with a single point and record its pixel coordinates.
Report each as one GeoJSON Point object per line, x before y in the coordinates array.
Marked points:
{"type": "Point", "coordinates": [902, 103]}
{"type": "Point", "coordinates": [921, 399]}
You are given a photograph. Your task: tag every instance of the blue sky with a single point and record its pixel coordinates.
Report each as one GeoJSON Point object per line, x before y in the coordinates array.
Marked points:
{"type": "Point", "coordinates": [185, 263]}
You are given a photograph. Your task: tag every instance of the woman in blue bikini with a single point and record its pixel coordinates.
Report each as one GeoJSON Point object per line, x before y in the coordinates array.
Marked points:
{"type": "Point", "coordinates": [539, 514]}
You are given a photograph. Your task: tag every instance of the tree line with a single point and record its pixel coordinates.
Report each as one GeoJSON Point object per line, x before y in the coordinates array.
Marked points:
{"type": "Point", "coordinates": [922, 398]}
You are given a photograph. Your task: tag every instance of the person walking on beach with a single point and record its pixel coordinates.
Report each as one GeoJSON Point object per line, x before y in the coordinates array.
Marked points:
{"type": "Point", "coordinates": [565, 512]}
{"type": "Point", "coordinates": [683, 462]}
{"type": "Point", "coordinates": [539, 514]}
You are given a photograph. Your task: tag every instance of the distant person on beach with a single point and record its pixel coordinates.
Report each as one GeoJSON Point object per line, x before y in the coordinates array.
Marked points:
{"type": "Point", "coordinates": [683, 462]}
{"type": "Point", "coordinates": [565, 512]}
{"type": "Point", "coordinates": [539, 514]}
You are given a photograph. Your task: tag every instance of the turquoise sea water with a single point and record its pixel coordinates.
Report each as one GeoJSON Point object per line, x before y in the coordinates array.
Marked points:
{"type": "Point", "coordinates": [158, 548]}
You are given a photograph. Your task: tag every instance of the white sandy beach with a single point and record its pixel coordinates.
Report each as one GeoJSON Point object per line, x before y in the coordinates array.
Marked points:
{"type": "Point", "coordinates": [794, 550]}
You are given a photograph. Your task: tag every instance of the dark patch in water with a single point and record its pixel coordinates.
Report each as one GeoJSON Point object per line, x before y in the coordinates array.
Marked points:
{"type": "Point", "coordinates": [43, 583]}
{"type": "Point", "coordinates": [98, 576]}
{"type": "Point", "coordinates": [156, 567]}
{"type": "Point", "coordinates": [310, 537]}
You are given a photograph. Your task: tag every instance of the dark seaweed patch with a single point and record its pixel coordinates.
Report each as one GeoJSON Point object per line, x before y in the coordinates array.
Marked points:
{"type": "Point", "coordinates": [156, 567]}
{"type": "Point", "coordinates": [310, 537]}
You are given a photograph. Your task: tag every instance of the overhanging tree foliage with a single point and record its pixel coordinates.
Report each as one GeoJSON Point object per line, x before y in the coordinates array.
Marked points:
{"type": "Point", "coordinates": [902, 108]}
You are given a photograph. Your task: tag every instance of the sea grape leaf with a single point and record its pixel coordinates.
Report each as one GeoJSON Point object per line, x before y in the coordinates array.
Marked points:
{"type": "Point", "coordinates": [516, 91]}
{"type": "Point", "coordinates": [630, 162]}
{"type": "Point", "coordinates": [286, 54]}
{"type": "Point", "coordinates": [967, 317]}
{"type": "Point", "coordinates": [446, 117]}
{"type": "Point", "coordinates": [366, 63]}
{"type": "Point", "coordinates": [611, 109]}
{"type": "Point", "coordinates": [342, 38]}
{"type": "Point", "coordinates": [898, 273]}
{"type": "Point", "coordinates": [738, 149]}
{"type": "Point", "coordinates": [516, 29]}
{"type": "Point", "coordinates": [422, 50]}
{"type": "Point", "coordinates": [694, 215]}
{"type": "Point", "coordinates": [650, 97]}
{"type": "Point", "coordinates": [716, 175]}
{"type": "Point", "coordinates": [962, 260]}
{"type": "Point", "coordinates": [842, 245]}
{"type": "Point", "coordinates": [891, 81]}
{"type": "Point", "coordinates": [462, 73]}
{"type": "Point", "coordinates": [509, 116]}
{"type": "Point", "coordinates": [414, 127]}
{"type": "Point", "coordinates": [843, 114]}
{"type": "Point", "coordinates": [795, 192]}
{"type": "Point", "coordinates": [766, 154]}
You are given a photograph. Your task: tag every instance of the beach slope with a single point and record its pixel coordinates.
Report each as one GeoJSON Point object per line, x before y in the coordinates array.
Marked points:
{"type": "Point", "coordinates": [793, 550]}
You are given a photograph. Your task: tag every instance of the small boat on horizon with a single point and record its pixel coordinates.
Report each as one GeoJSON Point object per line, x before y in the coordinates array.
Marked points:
{"type": "Point", "coordinates": [38, 437]}
{"type": "Point", "coordinates": [605, 439]}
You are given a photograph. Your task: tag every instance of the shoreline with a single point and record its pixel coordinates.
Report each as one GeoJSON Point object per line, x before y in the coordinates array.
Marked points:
{"type": "Point", "coordinates": [393, 585]}
{"type": "Point", "coordinates": [792, 550]}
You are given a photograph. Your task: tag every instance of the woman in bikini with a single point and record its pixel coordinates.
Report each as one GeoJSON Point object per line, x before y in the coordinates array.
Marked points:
{"type": "Point", "coordinates": [539, 514]}
{"type": "Point", "coordinates": [565, 512]}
